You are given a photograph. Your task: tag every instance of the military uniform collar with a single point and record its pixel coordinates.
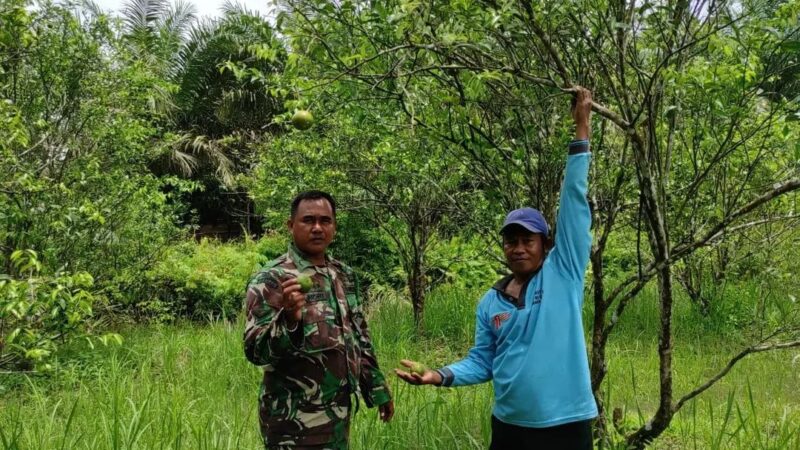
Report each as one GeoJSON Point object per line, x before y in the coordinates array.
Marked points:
{"type": "Point", "coordinates": [300, 259]}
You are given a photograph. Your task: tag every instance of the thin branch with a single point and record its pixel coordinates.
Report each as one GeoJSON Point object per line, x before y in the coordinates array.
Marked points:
{"type": "Point", "coordinates": [681, 251]}
{"type": "Point", "coordinates": [562, 69]}
{"type": "Point", "coordinates": [753, 224]}
{"type": "Point", "coordinates": [713, 380]}
{"type": "Point", "coordinates": [777, 190]}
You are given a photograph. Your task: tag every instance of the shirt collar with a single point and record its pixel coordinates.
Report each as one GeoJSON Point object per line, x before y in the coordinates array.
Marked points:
{"type": "Point", "coordinates": [502, 284]}
{"type": "Point", "coordinates": [301, 259]}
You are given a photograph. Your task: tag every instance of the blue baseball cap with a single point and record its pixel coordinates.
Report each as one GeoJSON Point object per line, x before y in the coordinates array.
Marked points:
{"type": "Point", "coordinates": [528, 218]}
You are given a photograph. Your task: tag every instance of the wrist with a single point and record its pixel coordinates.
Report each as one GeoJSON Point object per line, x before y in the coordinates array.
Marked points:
{"type": "Point", "coordinates": [292, 320]}
{"type": "Point", "coordinates": [378, 396]}
{"type": "Point", "coordinates": [445, 376]}
{"type": "Point", "coordinates": [582, 131]}
{"type": "Point", "coordinates": [291, 324]}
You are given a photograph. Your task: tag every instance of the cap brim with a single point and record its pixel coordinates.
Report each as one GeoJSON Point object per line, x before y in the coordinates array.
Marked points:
{"type": "Point", "coordinates": [528, 227]}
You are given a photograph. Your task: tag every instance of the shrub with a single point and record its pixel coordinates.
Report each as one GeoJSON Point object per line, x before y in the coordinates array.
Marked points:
{"type": "Point", "coordinates": [39, 313]}
{"type": "Point", "coordinates": [466, 263]}
{"type": "Point", "coordinates": [205, 279]}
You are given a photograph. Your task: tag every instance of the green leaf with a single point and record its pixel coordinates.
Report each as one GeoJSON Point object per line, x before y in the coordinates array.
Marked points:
{"type": "Point", "coordinates": [792, 46]}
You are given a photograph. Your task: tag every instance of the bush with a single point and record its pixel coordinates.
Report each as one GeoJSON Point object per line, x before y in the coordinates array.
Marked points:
{"type": "Point", "coordinates": [205, 279]}
{"type": "Point", "coordinates": [466, 263]}
{"type": "Point", "coordinates": [39, 313]}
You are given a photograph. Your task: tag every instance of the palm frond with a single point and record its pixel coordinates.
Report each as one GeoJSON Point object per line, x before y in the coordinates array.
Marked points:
{"type": "Point", "coordinates": [196, 38]}
{"type": "Point", "coordinates": [184, 162]}
{"type": "Point", "coordinates": [189, 151]}
{"type": "Point", "coordinates": [179, 19]}
{"type": "Point", "coordinates": [142, 14]}
{"type": "Point", "coordinates": [219, 101]}
{"type": "Point", "coordinates": [234, 8]}
{"type": "Point", "coordinates": [216, 155]}
{"type": "Point", "coordinates": [92, 8]}
{"type": "Point", "coordinates": [161, 102]}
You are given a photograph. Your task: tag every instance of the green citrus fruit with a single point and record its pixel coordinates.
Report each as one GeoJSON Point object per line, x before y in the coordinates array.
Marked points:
{"type": "Point", "coordinates": [302, 119]}
{"type": "Point", "coordinates": [418, 368]}
{"type": "Point", "coordinates": [305, 283]}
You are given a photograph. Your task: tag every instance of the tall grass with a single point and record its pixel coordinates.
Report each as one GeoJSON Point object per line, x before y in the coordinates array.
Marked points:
{"type": "Point", "coordinates": [189, 387]}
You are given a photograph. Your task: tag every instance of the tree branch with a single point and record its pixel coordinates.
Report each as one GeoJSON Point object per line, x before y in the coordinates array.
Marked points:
{"type": "Point", "coordinates": [778, 189]}
{"type": "Point", "coordinates": [713, 380]}
{"type": "Point", "coordinates": [681, 251]}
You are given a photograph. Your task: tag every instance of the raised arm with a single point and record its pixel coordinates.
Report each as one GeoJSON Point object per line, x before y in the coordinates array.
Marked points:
{"type": "Point", "coordinates": [573, 241]}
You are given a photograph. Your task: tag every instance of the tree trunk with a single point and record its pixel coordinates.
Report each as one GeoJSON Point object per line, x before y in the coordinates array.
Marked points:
{"type": "Point", "coordinates": [659, 244]}
{"type": "Point", "coordinates": [416, 274]}
{"type": "Point", "coordinates": [416, 287]}
{"type": "Point", "coordinates": [663, 415]}
{"type": "Point", "coordinates": [598, 352]}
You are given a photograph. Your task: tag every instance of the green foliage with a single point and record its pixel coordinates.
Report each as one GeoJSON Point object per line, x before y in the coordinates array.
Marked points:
{"type": "Point", "coordinates": [39, 313]}
{"type": "Point", "coordinates": [154, 30]}
{"type": "Point", "coordinates": [219, 91]}
{"type": "Point", "coordinates": [622, 255]}
{"type": "Point", "coordinates": [74, 181]}
{"type": "Point", "coordinates": [206, 279]}
{"type": "Point", "coordinates": [366, 249]}
{"type": "Point", "coordinates": [227, 76]}
{"type": "Point", "coordinates": [470, 264]}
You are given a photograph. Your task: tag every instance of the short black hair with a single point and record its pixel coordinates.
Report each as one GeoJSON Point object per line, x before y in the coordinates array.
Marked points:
{"type": "Point", "coordinates": [312, 195]}
{"type": "Point", "coordinates": [514, 229]}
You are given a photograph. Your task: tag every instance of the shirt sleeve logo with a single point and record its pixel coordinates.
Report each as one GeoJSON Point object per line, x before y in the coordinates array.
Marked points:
{"type": "Point", "coordinates": [498, 319]}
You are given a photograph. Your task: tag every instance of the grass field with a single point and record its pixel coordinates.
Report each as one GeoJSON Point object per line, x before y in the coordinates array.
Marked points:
{"type": "Point", "coordinates": [188, 386]}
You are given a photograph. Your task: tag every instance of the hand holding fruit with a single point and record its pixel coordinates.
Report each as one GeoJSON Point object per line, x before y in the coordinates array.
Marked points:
{"type": "Point", "coordinates": [305, 283]}
{"type": "Point", "coordinates": [418, 373]}
{"type": "Point", "coordinates": [294, 298]}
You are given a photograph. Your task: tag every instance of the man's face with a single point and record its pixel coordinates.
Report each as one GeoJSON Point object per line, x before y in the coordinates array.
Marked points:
{"type": "Point", "coordinates": [313, 226]}
{"type": "Point", "coordinates": [524, 250]}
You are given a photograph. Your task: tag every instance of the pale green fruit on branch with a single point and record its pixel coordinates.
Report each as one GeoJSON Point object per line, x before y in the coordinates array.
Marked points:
{"type": "Point", "coordinates": [302, 119]}
{"type": "Point", "coordinates": [305, 283]}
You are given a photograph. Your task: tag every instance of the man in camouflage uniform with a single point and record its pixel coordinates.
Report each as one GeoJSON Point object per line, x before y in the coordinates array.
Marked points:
{"type": "Point", "coordinates": [314, 347]}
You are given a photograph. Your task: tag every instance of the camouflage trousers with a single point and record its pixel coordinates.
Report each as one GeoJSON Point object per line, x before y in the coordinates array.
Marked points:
{"type": "Point", "coordinates": [339, 445]}
{"type": "Point", "coordinates": [321, 428]}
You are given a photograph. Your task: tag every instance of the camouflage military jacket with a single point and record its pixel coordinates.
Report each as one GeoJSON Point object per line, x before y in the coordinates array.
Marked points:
{"type": "Point", "coordinates": [310, 372]}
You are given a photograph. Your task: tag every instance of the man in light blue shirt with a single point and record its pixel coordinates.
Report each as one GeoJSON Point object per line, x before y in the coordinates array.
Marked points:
{"type": "Point", "coordinates": [529, 337]}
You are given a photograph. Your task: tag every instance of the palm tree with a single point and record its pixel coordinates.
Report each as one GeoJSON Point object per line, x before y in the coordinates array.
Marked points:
{"type": "Point", "coordinates": [156, 30]}
{"type": "Point", "coordinates": [205, 101]}
{"type": "Point", "coordinates": [225, 73]}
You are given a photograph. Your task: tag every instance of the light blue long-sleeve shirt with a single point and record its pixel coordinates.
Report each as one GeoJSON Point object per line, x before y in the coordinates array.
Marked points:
{"type": "Point", "coordinates": [534, 352]}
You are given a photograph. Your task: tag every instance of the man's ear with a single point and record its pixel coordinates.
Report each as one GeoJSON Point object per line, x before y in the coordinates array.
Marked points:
{"type": "Point", "coordinates": [289, 224]}
{"type": "Point", "coordinates": [547, 243]}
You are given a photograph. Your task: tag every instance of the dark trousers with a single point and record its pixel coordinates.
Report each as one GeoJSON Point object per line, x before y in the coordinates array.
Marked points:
{"type": "Point", "coordinates": [570, 436]}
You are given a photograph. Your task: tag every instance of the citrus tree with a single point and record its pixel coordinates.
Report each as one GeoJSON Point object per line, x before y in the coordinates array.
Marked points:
{"type": "Point", "coordinates": [694, 145]}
